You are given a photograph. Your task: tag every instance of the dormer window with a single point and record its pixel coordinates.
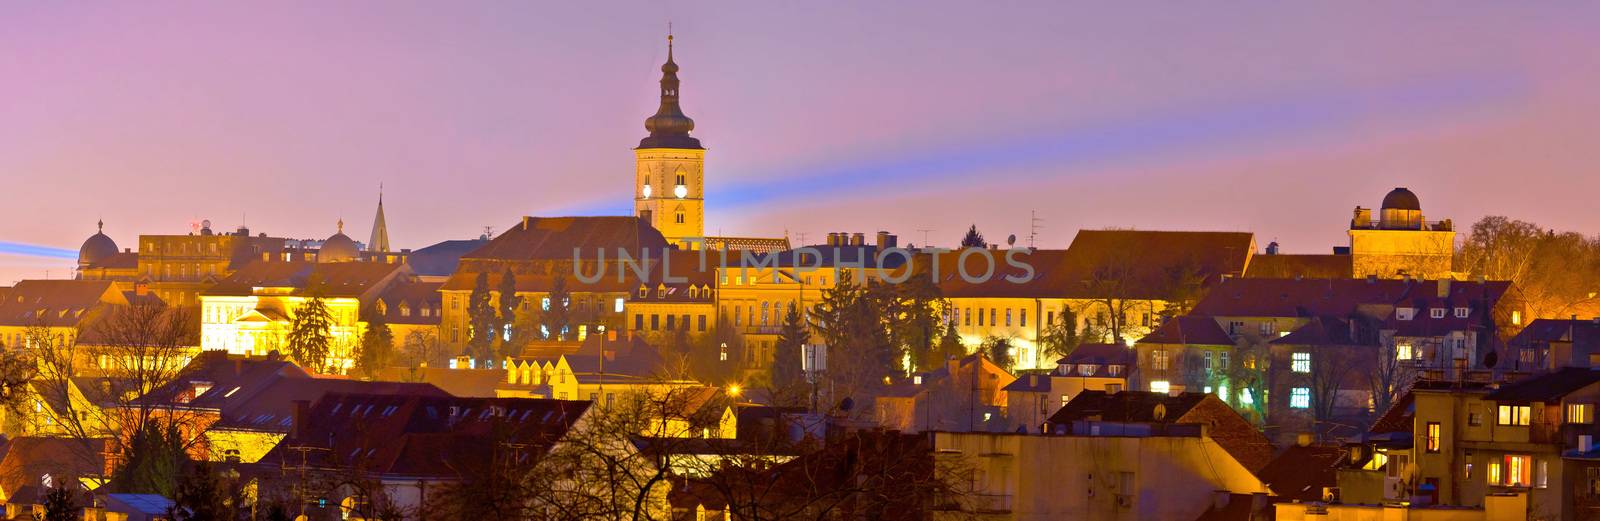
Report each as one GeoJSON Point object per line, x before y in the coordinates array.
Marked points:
{"type": "Point", "coordinates": [643, 291]}
{"type": "Point", "coordinates": [1462, 312]}
{"type": "Point", "coordinates": [1436, 312]}
{"type": "Point", "coordinates": [1404, 313]}
{"type": "Point", "coordinates": [1064, 369]}
{"type": "Point", "coordinates": [916, 380]}
{"type": "Point", "coordinates": [1086, 369]}
{"type": "Point", "coordinates": [1114, 370]}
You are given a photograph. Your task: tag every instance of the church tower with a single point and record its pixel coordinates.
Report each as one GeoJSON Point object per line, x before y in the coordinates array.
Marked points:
{"type": "Point", "coordinates": [379, 243]}
{"type": "Point", "coordinates": [669, 173]}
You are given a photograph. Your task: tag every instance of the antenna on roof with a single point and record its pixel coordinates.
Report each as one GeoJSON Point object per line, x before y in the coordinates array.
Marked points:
{"type": "Point", "coordinates": [925, 236]}
{"type": "Point", "coordinates": [488, 232]}
{"type": "Point", "coordinates": [1033, 227]}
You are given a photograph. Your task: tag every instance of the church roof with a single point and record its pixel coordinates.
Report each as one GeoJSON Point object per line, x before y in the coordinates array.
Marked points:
{"type": "Point", "coordinates": [97, 247]}
{"type": "Point", "coordinates": [1401, 199]}
{"type": "Point", "coordinates": [379, 242]}
{"type": "Point", "coordinates": [669, 127]}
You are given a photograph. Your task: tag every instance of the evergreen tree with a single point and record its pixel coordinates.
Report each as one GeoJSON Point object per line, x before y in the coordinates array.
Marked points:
{"type": "Point", "coordinates": [61, 502]}
{"type": "Point", "coordinates": [860, 353]}
{"type": "Point", "coordinates": [506, 323]}
{"type": "Point", "coordinates": [718, 358]}
{"type": "Point", "coordinates": [973, 239]}
{"type": "Point", "coordinates": [152, 465]}
{"type": "Point", "coordinates": [201, 496]}
{"type": "Point", "coordinates": [788, 369]}
{"type": "Point", "coordinates": [481, 319]}
{"type": "Point", "coordinates": [557, 318]}
{"type": "Point", "coordinates": [377, 346]}
{"type": "Point", "coordinates": [310, 333]}
{"type": "Point", "coordinates": [950, 343]}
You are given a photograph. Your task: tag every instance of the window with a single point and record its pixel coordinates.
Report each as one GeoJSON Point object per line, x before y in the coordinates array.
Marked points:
{"type": "Point", "coordinates": [1023, 317]}
{"type": "Point", "coordinates": [1436, 312]}
{"type": "Point", "coordinates": [1266, 327]}
{"type": "Point", "coordinates": [1222, 361]}
{"type": "Point", "coordinates": [1432, 437]}
{"type": "Point", "coordinates": [680, 178]}
{"type": "Point", "coordinates": [1474, 419]}
{"type": "Point", "coordinates": [980, 317]}
{"type": "Point", "coordinates": [1008, 317]}
{"type": "Point", "coordinates": [677, 216]}
{"type": "Point", "coordinates": [1158, 359]}
{"type": "Point", "coordinates": [617, 306]}
{"type": "Point", "coordinates": [655, 322]}
{"type": "Point", "coordinates": [1402, 351]}
{"type": "Point", "coordinates": [1461, 312]}
{"type": "Point", "coordinates": [1160, 386]}
{"type": "Point", "coordinates": [1517, 470]}
{"type": "Point", "coordinates": [1514, 415]}
{"type": "Point", "coordinates": [992, 312]}
{"type": "Point", "coordinates": [1466, 471]}
{"type": "Point", "coordinates": [1580, 413]}
{"type": "Point", "coordinates": [1516, 318]}
{"type": "Point", "coordinates": [638, 322]}
{"type": "Point", "coordinates": [1207, 356]}
{"type": "Point", "coordinates": [1495, 475]}
{"type": "Point", "coordinates": [1300, 398]}
{"type": "Point", "coordinates": [1541, 473]}
{"type": "Point", "coordinates": [671, 322]}
{"type": "Point", "coordinates": [968, 320]}
{"type": "Point", "coordinates": [1235, 327]}
{"type": "Point", "coordinates": [1300, 362]}
{"type": "Point", "coordinates": [1404, 313]}
{"type": "Point", "coordinates": [1086, 369]}
{"type": "Point", "coordinates": [702, 323]}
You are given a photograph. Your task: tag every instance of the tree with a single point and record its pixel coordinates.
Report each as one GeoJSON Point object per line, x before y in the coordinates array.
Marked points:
{"type": "Point", "coordinates": [61, 502]}
{"type": "Point", "coordinates": [913, 309]}
{"type": "Point", "coordinates": [788, 372]}
{"type": "Point", "coordinates": [1248, 376]}
{"type": "Point", "coordinates": [1555, 271]}
{"type": "Point", "coordinates": [973, 239]}
{"type": "Point", "coordinates": [310, 333]}
{"type": "Point", "coordinates": [860, 354]}
{"type": "Point", "coordinates": [202, 495]}
{"type": "Point", "coordinates": [509, 336]}
{"type": "Point", "coordinates": [1110, 284]}
{"type": "Point", "coordinates": [377, 346]}
{"type": "Point", "coordinates": [18, 366]}
{"type": "Point", "coordinates": [481, 319]}
{"type": "Point", "coordinates": [999, 351]}
{"type": "Point", "coordinates": [558, 317]}
{"type": "Point", "coordinates": [718, 358]}
{"type": "Point", "coordinates": [950, 343]}
{"type": "Point", "coordinates": [1333, 370]}
{"type": "Point", "coordinates": [135, 349]}
{"type": "Point", "coordinates": [153, 462]}
{"type": "Point", "coordinates": [1060, 338]}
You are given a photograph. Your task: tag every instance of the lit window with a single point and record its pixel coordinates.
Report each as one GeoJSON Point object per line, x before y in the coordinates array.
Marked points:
{"type": "Point", "coordinates": [1301, 362]}
{"type": "Point", "coordinates": [1160, 386]}
{"type": "Point", "coordinates": [1300, 398]}
{"type": "Point", "coordinates": [1266, 327]}
{"type": "Point", "coordinates": [1402, 351]}
{"type": "Point", "coordinates": [1495, 475]}
{"type": "Point", "coordinates": [1517, 470]}
{"type": "Point", "coordinates": [1514, 415]}
{"type": "Point", "coordinates": [617, 307]}
{"type": "Point", "coordinates": [1245, 398]}
{"type": "Point", "coordinates": [1516, 318]}
{"type": "Point", "coordinates": [1580, 413]}
{"type": "Point", "coordinates": [1158, 359]}
{"type": "Point", "coordinates": [1433, 435]}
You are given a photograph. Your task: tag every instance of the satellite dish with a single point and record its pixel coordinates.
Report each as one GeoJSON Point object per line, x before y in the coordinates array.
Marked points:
{"type": "Point", "coordinates": [1490, 359]}
{"type": "Point", "coordinates": [1011, 239]}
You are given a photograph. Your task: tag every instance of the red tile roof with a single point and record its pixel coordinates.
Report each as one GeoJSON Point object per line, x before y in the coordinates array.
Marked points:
{"type": "Point", "coordinates": [1280, 266]}
{"type": "Point", "coordinates": [1145, 262]}
{"type": "Point", "coordinates": [1332, 297]}
{"type": "Point", "coordinates": [1189, 330]}
{"type": "Point", "coordinates": [1301, 472]}
{"type": "Point", "coordinates": [556, 238]}
{"type": "Point", "coordinates": [56, 303]}
{"type": "Point", "coordinates": [338, 279]}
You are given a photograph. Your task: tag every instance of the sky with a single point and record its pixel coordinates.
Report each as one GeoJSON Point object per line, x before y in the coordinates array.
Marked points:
{"type": "Point", "coordinates": [916, 117]}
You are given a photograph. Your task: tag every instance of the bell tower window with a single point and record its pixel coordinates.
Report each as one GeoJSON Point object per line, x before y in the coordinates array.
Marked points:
{"type": "Point", "coordinates": [677, 215]}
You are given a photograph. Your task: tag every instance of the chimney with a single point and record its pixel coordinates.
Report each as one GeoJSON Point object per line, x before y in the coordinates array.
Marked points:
{"type": "Point", "coordinates": [832, 238]}
{"type": "Point", "coordinates": [858, 239]}
{"type": "Point", "coordinates": [1272, 248]}
{"type": "Point", "coordinates": [1444, 288]}
{"type": "Point", "coordinates": [141, 289]}
{"type": "Point", "coordinates": [1585, 442]}
{"type": "Point", "coordinates": [525, 220]}
{"type": "Point", "coordinates": [302, 413]}
{"type": "Point", "coordinates": [883, 240]}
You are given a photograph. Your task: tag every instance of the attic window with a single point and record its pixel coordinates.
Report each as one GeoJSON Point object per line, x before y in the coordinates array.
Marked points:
{"type": "Point", "coordinates": [1086, 369]}
{"type": "Point", "coordinates": [1404, 313]}
{"type": "Point", "coordinates": [390, 410]}
{"type": "Point", "coordinates": [917, 380]}
{"type": "Point", "coordinates": [1436, 312]}
{"type": "Point", "coordinates": [1461, 312]}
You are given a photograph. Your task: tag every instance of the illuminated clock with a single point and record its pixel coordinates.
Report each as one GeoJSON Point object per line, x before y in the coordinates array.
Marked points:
{"type": "Point", "coordinates": [646, 191]}
{"type": "Point", "coordinates": [681, 191]}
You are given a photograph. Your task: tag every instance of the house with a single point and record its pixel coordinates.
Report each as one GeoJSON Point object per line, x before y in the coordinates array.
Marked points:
{"type": "Point", "coordinates": [1091, 367]}
{"type": "Point", "coordinates": [409, 444]}
{"type": "Point", "coordinates": [966, 394]}
{"type": "Point", "coordinates": [1550, 344]}
{"type": "Point", "coordinates": [1233, 433]}
{"type": "Point", "coordinates": [599, 368]}
{"type": "Point", "coordinates": [1459, 444]}
{"type": "Point", "coordinates": [37, 463]}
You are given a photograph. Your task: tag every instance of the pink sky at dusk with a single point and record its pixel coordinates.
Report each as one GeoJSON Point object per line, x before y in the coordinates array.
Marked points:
{"type": "Point", "coordinates": [1275, 118]}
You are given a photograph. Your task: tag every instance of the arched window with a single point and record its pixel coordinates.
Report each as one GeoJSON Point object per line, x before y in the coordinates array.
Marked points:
{"type": "Point", "coordinates": [682, 178]}
{"type": "Point", "coordinates": [677, 215]}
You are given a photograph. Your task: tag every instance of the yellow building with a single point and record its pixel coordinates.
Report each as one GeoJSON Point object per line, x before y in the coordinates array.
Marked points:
{"type": "Point", "coordinates": [251, 312]}
{"type": "Point", "coordinates": [600, 368]}
{"type": "Point", "coordinates": [1401, 243]}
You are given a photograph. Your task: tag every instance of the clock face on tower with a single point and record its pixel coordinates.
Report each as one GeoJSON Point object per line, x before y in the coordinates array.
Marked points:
{"type": "Point", "coordinates": [681, 191]}
{"type": "Point", "coordinates": [646, 191]}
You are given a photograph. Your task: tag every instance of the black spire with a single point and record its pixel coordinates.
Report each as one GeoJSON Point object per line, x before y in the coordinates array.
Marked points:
{"type": "Point", "coordinates": [669, 128]}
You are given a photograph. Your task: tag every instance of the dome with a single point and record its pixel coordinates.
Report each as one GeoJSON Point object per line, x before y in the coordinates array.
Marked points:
{"type": "Point", "coordinates": [338, 248]}
{"type": "Point", "coordinates": [1401, 199]}
{"type": "Point", "coordinates": [97, 248]}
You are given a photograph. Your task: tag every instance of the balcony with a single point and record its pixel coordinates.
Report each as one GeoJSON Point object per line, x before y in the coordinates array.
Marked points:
{"type": "Point", "coordinates": [990, 503]}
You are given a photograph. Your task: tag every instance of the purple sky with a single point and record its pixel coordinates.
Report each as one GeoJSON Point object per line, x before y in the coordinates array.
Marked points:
{"type": "Point", "coordinates": [1276, 118]}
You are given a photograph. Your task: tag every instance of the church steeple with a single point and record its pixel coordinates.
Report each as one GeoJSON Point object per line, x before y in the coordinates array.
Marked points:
{"type": "Point", "coordinates": [379, 242]}
{"type": "Point", "coordinates": [669, 127]}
